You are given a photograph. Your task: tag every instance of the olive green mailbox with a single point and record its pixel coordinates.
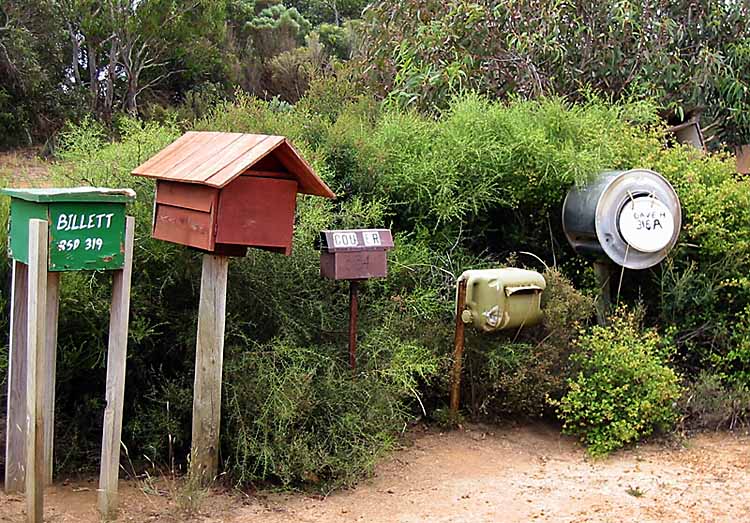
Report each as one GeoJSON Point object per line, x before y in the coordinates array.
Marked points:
{"type": "Point", "coordinates": [86, 226]}
{"type": "Point", "coordinates": [499, 299]}
{"type": "Point", "coordinates": [492, 300]}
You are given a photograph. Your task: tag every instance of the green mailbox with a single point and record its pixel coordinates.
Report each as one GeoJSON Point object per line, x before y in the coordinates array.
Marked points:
{"type": "Point", "coordinates": [86, 226]}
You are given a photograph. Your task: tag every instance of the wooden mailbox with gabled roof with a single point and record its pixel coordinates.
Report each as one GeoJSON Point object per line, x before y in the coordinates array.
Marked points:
{"type": "Point", "coordinates": [224, 192]}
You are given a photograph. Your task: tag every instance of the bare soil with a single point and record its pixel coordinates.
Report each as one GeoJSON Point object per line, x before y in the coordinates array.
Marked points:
{"type": "Point", "coordinates": [482, 474]}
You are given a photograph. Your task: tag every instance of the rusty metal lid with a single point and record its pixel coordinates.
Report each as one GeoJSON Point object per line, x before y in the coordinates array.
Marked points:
{"type": "Point", "coordinates": [356, 240]}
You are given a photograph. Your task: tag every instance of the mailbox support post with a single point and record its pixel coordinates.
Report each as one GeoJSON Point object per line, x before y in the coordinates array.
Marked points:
{"type": "Point", "coordinates": [15, 445]}
{"type": "Point", "coordinates": [117, 351]}
{"type": "Point", "coordinates": [458, 350]}
{"type": "Point", "coordinates": [15, 431]}
{"type": "Point", "coordinates": [36, 370]}
{"type": "Point", "coordinates": [353, 317]}
{"type": "Point", "coordinates": [603, 272]}
{"type": "Point", "coordinates": [209, 355]}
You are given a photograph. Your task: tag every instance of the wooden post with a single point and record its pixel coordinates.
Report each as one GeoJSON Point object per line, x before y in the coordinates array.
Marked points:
{"type": "Point", "coordinates": [15, 445]}
{"type": "Point", "coordinates": [209, 355]}
{"type": "Point", "coordinates": [353, 317]}
{"type": "Point", "coordinates": [117, 351]}
{"type": "Point", "coordinates": [603, 272]}
{"type": "Point", "coordinates": [36, 340]}
{"type": "Point", "coordinates": [458, 351]}
{"type": "Point", "coordinates": [15, 428]}
{"type": "Point", "coordinates": [50, 367]}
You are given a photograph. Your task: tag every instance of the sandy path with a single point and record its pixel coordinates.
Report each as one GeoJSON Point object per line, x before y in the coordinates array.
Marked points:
{"type": "Point", "coordinates": [524, 474]}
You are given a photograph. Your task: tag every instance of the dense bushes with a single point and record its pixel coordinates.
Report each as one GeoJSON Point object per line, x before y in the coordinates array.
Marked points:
{"type": "Point", "coordinates": [623, 389]}
{"type": "Point", "coordinates": [475, 188]}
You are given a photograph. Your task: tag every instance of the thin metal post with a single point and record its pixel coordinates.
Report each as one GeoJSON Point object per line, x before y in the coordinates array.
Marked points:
{"type": "Point", "coordinates": [458, 350]}
{"type": "Point", "coordinates": [353, 317]}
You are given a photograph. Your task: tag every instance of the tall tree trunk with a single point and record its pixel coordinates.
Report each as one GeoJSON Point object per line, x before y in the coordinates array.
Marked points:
{"type": "Point", "coordinates": [93, 75]}
{"type": "Point", "coordinates": [76, 54]}
{"type": "Point", "coordinates": [109, 92]}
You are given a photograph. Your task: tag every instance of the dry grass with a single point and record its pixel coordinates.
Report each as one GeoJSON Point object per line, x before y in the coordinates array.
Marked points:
{"type": "Point", "coordinates": [23, 168]}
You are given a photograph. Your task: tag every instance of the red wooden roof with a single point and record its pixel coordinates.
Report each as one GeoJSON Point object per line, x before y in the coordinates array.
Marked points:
{"type": "Point", "coordinates": [215, 159]}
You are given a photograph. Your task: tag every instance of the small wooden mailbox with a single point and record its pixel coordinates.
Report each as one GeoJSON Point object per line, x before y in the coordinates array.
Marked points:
{"type": "Point", "coordinates": [86, 226]}
{"type": "Point", "coordinates": [357, 254]}
{"type": "Point", "coordinates": [224, 192]}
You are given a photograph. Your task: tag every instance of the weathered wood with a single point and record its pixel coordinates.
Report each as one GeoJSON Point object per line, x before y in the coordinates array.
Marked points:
{"type": "Point", "coordinates": [49, 372]}
{"type": "Point", "coordinates": [115, 395]}
{"type": "Point", "coordinates": [209, 355]}
{"type": "Point", "coordinates": [36, 340]}
{"type": "Point", "coordinates": [458, 351]}
{"type": "Point", "coordinates": [353, 318]}
{"type": "Point", "coordinates": [15, 428]}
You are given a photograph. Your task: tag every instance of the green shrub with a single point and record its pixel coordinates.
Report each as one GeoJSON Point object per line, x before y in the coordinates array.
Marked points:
{"type": "Point", "coordinates": [623, 389]}
{"type": "Point", "coordinates": [515, 373]}
{"type": "Point", "coordinates": [709, 404]}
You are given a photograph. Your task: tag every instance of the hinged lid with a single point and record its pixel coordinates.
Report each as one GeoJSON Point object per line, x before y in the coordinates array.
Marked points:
{"type": "Point", "coordinates": [356, 240]}
{"type": "Point", "coordinates": [72, 194]}
{"type": "Point", "coordinates": [215, 159]}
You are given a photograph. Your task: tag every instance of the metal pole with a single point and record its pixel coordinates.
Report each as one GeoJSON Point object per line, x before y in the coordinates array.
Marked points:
{"type": "Point", "coordinates": [353, 316]}
{"type": "Point", "coordinates": [458, 351]}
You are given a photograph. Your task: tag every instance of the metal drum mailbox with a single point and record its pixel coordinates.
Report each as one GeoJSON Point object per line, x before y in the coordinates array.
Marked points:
{"type": "Point", "coordinates": [224, 192]}
{"type": "Point", "coordinates": [493, 300]}
{"type": "Point", "coordinates": [631, 217]}
{"type": "Point", "coordinates": [355, 254]}
{"type": "Point", "coordinates": [499, 299]}
{"type": "Point", "coordinates": [86, 226]}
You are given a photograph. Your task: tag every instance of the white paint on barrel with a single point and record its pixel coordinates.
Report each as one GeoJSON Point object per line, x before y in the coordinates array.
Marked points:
{"type": "Point", "coordinates": [646, 224]}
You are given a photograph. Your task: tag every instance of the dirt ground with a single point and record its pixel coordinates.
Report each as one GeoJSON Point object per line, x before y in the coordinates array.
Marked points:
{"type": "Point", "coordinates": [23, 168]}
{"type": "Point", "coordinates": [482, 474]}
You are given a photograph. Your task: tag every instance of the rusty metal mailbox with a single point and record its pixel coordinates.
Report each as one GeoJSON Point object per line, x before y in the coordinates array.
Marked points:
{"type": "Point", "coordinates": [356, 254]}
{"type": "Point", "coordinates": [225, 192]}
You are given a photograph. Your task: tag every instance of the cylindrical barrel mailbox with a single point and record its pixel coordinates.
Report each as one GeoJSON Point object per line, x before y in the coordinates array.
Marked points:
{"type": "Point", "coordinates": [632, 217]}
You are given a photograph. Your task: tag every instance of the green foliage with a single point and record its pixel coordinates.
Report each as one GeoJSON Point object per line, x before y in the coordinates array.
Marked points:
{"type": "Point", "coordinates": [623, 389]}
{"type": "Point", "coordinates": [465, 190]}
{"type": "Point", "coordinates": [517, 373]}
{"type": "Point", "coordinates": [709, 404]}
{"type": "Point", "coordinates": [420, 53]}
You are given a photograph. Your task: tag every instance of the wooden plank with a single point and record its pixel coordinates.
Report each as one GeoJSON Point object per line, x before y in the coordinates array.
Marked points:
{"type": "Point", "coordinates": [36, 340]}
{"type": "Point", "coordinates": [170, 155]}
{"type": "Point", "coordinates": [209, 355]}
{"type": "Point", "coordinates": [184, 226]}
{"type": "Point", "coordinates": [187, 196]}
{"type": "Point", "coordinates": [244, 162]}
{"type": "Point", "coordinates": [309, 182]}
{"type": "Point", "coordinates": [283, 175]}
{"type": "Point", "coordinates": [49, 372]}
{"type": "Point", "coordinates": [15, 428]}
{"type": "Point", "coordinates": [115, 395]}
{"type": "Point", "coordinates": [201, 156]}
{"type": "Point", "coordinates": [237, 149]}
{"type": "Point", "coordinates": [257, 212]}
